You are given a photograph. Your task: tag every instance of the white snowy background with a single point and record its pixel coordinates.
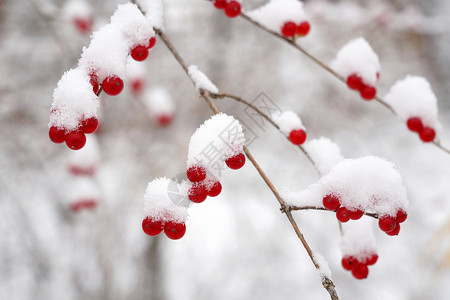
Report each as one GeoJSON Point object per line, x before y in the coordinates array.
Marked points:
{"type": "Point", "coordinates": [237, 245]}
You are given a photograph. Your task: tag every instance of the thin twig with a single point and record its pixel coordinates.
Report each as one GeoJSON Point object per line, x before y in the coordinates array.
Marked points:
{"type": "Point", "coordinates": [310, 207]}
{"type": "Point", "coordinates": [326, 282]}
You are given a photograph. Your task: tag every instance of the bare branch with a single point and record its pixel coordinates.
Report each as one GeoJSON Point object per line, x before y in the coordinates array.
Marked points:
{"type": "Point", "coordinates": [310, 207]}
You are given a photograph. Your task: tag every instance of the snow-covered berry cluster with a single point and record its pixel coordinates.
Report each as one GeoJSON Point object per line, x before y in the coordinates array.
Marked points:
{"type": "Point", "coordinates": [75, 100]}
{"type": "Point", "coordinates": [218, 142]}
{"type": "Point", "coordinates": [80, 13]}
{"type": "Point", "coordinates": [359, 65]}
{"type": "Point", "coordinates": [415, 103]}
{"type": "Point", "coordinates": [286, 17]}
{"type": "Point", "coordinates": [231, 8]}
{"type": "Point", "coordinates": [291, 125]}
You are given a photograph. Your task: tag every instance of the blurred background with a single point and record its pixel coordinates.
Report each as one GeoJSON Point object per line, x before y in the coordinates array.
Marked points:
{"type": "Point", "coordinates": [237, 245]}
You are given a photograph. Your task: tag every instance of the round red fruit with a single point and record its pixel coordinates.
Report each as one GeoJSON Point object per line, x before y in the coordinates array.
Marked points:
{"type": "Point", "coordinates": [94, 83]}
{"type": "Point", "coordinates": [90, 125]}
{"type": "Point", "coordinates": [288, 29]}
{"type": "Point", "coordinates": [331, 202]}
{"type": "Point", "coordinates": [427, 134]}
{"type": "Point", "coordinates": [401, 216]}
{"type": "Point", "coordinates": [215, 189]}
{"type": "Point", "coordinates": [360, 271]}
{"type": "Point", "coordinates": [75, 140]}
{"type": "Point", "coordinates": [174, 231]}
{"type": "Point", "coordinates": [152, 227]}
{"type": "Point", "coordinates": [236, 162]}
{"type": "Point", "coordinates": [343, 214]}
{"type": "Point", "coordinates": [395, 231]}
{"type": "Point", "coordinates": [57, 135]}
{"type": "Point", "coordinates": [137, 86]}
{"type": "Point", "coordinates": [414, 124]}
{"type": "Point", "coordinates": [356, 214]}
{"type": "Point", "coordinates": [372, 259]}
{"type": "Point", "coordinates": [139, 53]}
{"type": "Point", "coordinates": [354, 82]}
{"type": "Point", "coordinates": [164, 120]}
{"type": "Point", "coordinates": [83, 24]}
{"type": "Point", "coordinates": [232, 9]}
{"type": "Point", "coordinates": [368, 92]}
{"type": "Point", "coordinates": [220, 4]}
{"type": "Point", "coordinates": [349, 262]}
{"type": "Point", "coordinates": [387, 223]}
{"type": "Point", "coordinates": [297, 136]}
{"type": "Point", "coordinates": [197, 193]}
{"type": "Point", "coordinates": [196, 173]}
{"type": "Point", "coordinates": [303, 29]}
{"type": "Point", "coordinates": [112, 85]}
{"type": "Point", "coordinates": [151, 42]}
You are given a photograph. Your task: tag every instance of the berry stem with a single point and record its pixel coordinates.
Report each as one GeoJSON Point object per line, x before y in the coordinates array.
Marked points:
{"type": "Point", "coordinates": [310, 207]}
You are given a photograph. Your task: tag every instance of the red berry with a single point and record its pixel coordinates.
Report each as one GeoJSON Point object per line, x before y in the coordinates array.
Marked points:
{"type": "Point", "coordinates": [152, 227]}
{"type": "Point", "coordinates": [360, 271]}
{"type": "Point", "coordinates": [378, 75]}
{"type": "Point", "coordinates": [387, 223]}
{"type": "Point", "coordinates": [57, 135]}
{"type": "Point", "coordinates": [112, 85]}
{"type": "Point", "coordinates": [75, 140]}
{"type": "Point", "coordinates": [288, 29]}
{"type": "Point", "coordinates": [372, 259]}
{"type": "Point", "coordinates": [395, 231]}
{"type": "Point", "coordinates": [343, 214]}
{"type": "Point", "coordinates": [94, 83]}
{"type": "Point", "coordinates": [233, 9]}
{"type": "Point", "coordinates": [354, 82]}
{"type": "Point", "coordinates": [139, 53]}
{"type": "Point", "coordinates": [414, 124]}
{"type": "Point", "coordinates": [90, 125]}
{"type": "Point", "coordinates": [349, 262]}
{"type": "Point", "coordinates": [196, 173]}
{"type": "Point", "coordinates": [151, 42]}
{"type": "Point", "coordinates": [356, 214]}
{"type": "Point", "coordinates": [83, 24]}
{"type": "Point", "coordinates": [215, 189]}
{"type": "Point", "coordinates": [220, 4]}
{"type": "Point", "coordinates": [197, 193]}
{"type": "Point", "coordinates": [331, 202]}
{"type": "Point", "coordinates": [302, 29]}
{"type": "Point", "coordinates": [297, 136]}
{"type": "Point", "coordinates": [368, 92]}
{"type": "Point", "coordinates": [427, 134]}
{"type": "Point", "coordinates": [90, 204]}
{"type": "Point", "coordinates": [137, 85]}
{"type": "Point", "coordinates": [174, 231]}
{"type": "Point", "coordinates": [401, 216]}
{"type": "Point", "coordinates": [164, 120]}
{"type": "Point", "coordinates": [236, 162]}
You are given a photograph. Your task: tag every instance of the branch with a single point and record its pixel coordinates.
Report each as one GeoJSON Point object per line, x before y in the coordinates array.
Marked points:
{"type": "Point", "coordinates": [326, 282]}
{"type": "Point", "coordinates": [310, 207]}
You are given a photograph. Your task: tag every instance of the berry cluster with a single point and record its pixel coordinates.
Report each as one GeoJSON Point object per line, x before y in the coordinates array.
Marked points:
{"type": "Point", "coordinates": [232, 8]}
{"type": "Point", "coordinates": [290, 29]}
{"type": "Point", "coordinates": [426, 134]}
{"type": "Point", "coordinates": [140, 52]}
{"type": "Point", "coordinates": [76, 139]}
{"type": "Point", "coordinates": [332, 202]}
{"type": "Point", "coordinates": [359, 267]}
{"type": "Point", "coordinates": [367, 92]}
{"type": "Point", "coordinates": [391, 225]}
{"type": "Point", "coordinates": [83, 204]}
{"type": "Point", "coordinates": [174, 230]}
{"type": "Point", "coordinates": [297, 136]}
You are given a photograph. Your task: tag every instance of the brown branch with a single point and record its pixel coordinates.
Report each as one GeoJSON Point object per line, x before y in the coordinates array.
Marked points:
{"type": "Point", "coordinates": [310, 207]}
{"type": "Point", "coordinates": [326, 282]}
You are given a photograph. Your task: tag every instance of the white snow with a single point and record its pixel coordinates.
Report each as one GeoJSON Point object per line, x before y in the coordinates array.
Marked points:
{"type": "Point", "coordinates": [288, 121]}
{"type": "Point", "coordinates": [160, 206]}
{"type": "Point", "coordinates": [358, 240]}
{"type": "Point", "coordinates": [324, 269]}
{"type": "Point", "coordinates": [201, 81]}
{"type": "Point", "coordinates": [219, 138]}
{"type": "Point", "coordinates": [135, 70]}
{"type": "Point", "coordinates": [88, 156]}
{"type": "Point", "coordinates": [73, 100]}
{"type": "Point", "coordinates": [82, 188]}
{"type": "Point", "coordinates": [413, 97]}
{"type": "Point", "coordinates": [324, 153]}
{"type": "Point", "coordinates": [159, 102]}
{"type": "Point", "coordinates": [368, 183]}
{"type": "Point", "coordinates": [77, 9]}
{"type": "Point", "coordinates": [154, 11]}
{"type": "Point", "coordinates": [357, 57]}
{"type": "Point", "coordinates": [275, 13]}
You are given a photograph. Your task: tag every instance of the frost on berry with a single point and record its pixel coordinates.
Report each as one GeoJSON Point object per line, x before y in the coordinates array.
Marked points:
{"type": "Point", "coordinates": [214, 188]}
{"type": "Point", "coordinates": [197, 193]}
{"type": "Point", "coordinates": [291, 126]}
{"type": "Point", "coordinates": [196, 173]}
{"type": "Point", "coordinates": [286, 17]}
{"type": "Point", "coordinates": [235, 162]}
{"type": "Point", "coordinates": [415, 103]}
{"type": "Point", "coordinates": [202, 82]}
{"type": "Point", "coordinates": [159, 104]}
{"type": "Point", "coordinates": [324, 153]}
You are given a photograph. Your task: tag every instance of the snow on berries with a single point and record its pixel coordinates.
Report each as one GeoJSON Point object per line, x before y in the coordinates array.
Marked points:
{"type": "Point", "coordinates": [359, 65]}
{"type": "Point", "coordinates": [231, 8]}
{"type": "Point", "coordinates": [202, 82]}
{"type": "Point", "coordinates": [358, 249]}
{"type": "Point", "coordinates": [324, 153]}
{"type": "Point", "coordinates": [160, 106]}
{"type": "Point", "coordinates": [415, 103]}
{"type": "Point", "coordinates": [153, 10]}
{"type": "Point", "coordinates": [80, 13]}
{"type": "Point", "coordinates": [286, 17]}
{"type": "Point", "coordinates": [291, 126]}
